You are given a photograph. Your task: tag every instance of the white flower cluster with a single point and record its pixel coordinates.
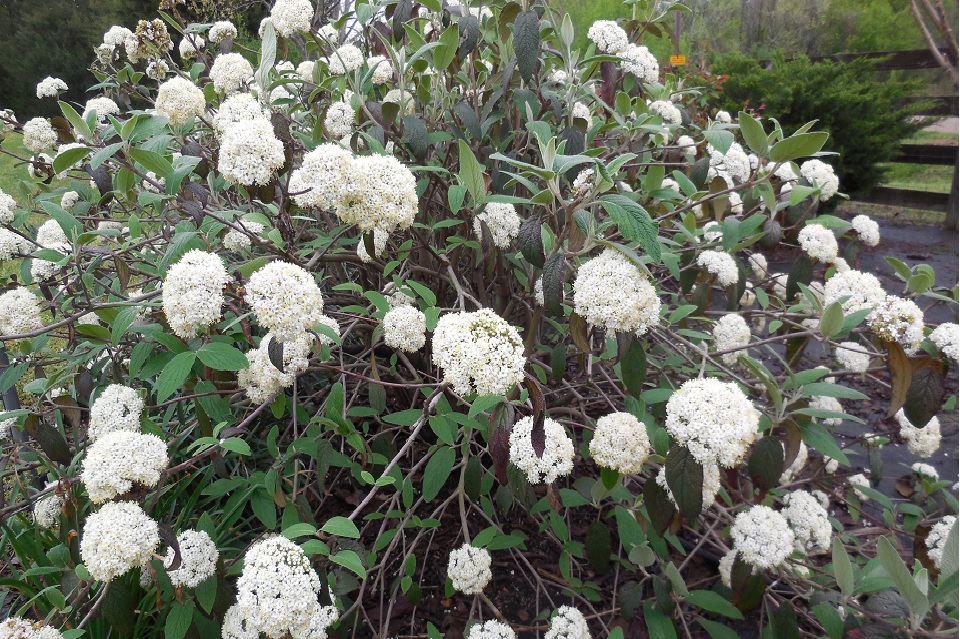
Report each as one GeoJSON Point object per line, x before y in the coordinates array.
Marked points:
{"type": "Point", "coordinates": [733, 166]}
{"type": "Point", "coordinates": [198, 559]}
{"type": "Point", "coordinates": [118, 460]}
{"type": "Point", "coordinates": [638, 60]}
{"type": "Point", "coordinates": [710, 486]}
{"type": "Point", "coordinates": [568, 623]}
{"type": "Point", "coordinates": [277, 594]}
{"type": "Point", "coordinates": [5, 427]}
{"type": "Point", "coordinates": [305, 70]}
{"type": "Point", "coordinates": [222, 30]}
{"type": "Point", "coordinates": [230, 73]}
{"type": "Point", "coordinates": [720, 264]}
{"type": "Point", "coordinates": [491, 629]}
{"type": "Point", "coordinates": [285, 299]}
{"type": "Point", "coordinates": [856, 482]}
{"type": "Point", "coordinates": [117, 538]}
{"type": "Point", "coordinates": [404, 328]}
{"type": "Point", "coordinates": [39, 135]}
{"type": "Point", "coordinates": [50, 87]}
{"type": "Point", "coordinates": [250, 152]}
{"type": "Point", "coordinates": [798, 463]}
{"type": "Point", "coordinates": [819, 242]}
{"type": "Point", "coordinates": [8, 208]}
{"type": "Point", "coordinates": [867, 230]}
{"type": "Point", "coordinates": [723, 117]}
{"type": "Point", "coordinates": [924, 441]}
{"type": "Point", "coordinates": [380, 238]}
{"type": "Point", "coordinates": [291, 16]}
{"type": "Point", "coordinates": [380, 193]}
{"type": "Point", "coordinates": [478, 352]}
{"type": "Point", "coordinates": [47, 509]}
{"type": "Point", "coordinates": [557, 458]}
{"type": "Point", "coordinates": [239, 107]}
{"type": "Point", "coordinates": [821, 175]}
{"type": "Point", "coordinates": [234, 240]}
{"type": "Point", "coordinates": [19, 628]}
{"type": "Point", "coordinates": [713, 419]}
{"type": "Point", "coordinates": [809, 521]}
{"type": "Point", "coordinates": [118, 407]}
{"type": "Point", "coordinates": [319, 180]}
{"type": "Point", "coordinates": [44, 269]}
{"type": "Point", "coordinates": [822, 402]}
{"type": "Point", "coordinates": [191, 45]}
{"type": "Point", "coordinates": [895, 319]}
{"type": "Point", "coordinates": [620, 442]}
{"type": "Point", "coordinates": [863, 290]}
{"type": "Point", "coordinates": [261, 379]}
{"type": "Point", "coordinates": [179, 99]}
{"type": "Point", "coordinates": [346, 59]}
{"type": "Point", "coordinates": [666, 110]}
{"type": "Point", "coordinates": [610, 291]}
{"type": "Point", "coordinates": [731, 331]}
{"type": "Point", "coordinates": [402, 98]}
{"type": "Point", "coordinates": [925, 470]}
{"type": "Point", "coordinates": [762, 537]}
{"type": "Point", "coordinates": [12, 245]}
{"type": "Point", "coordinates": [382, 69]}
{"type": "Point", "coordinates": [501, 219]}
{"type": "Point", "coordinates": [608, 36]}
{"type": "Point", "coordinates": [936, 541]}
{"type": "Point", "coordinates": [157, 70]}
{"type": "Point", "coordinates": [469, 569]}
{"type": "Point", "coordinates": [851, 357]}
{"type": "Point", "coordinates": [339, 119]}
{"type": "Point", "coordinates": [19, 312]}
{"type": "Point", "coordinates": [945, 337]}
{"type": "Point", "coordinates": [193, 292]}
{"type": "Point", "coordinates": [582, 111]}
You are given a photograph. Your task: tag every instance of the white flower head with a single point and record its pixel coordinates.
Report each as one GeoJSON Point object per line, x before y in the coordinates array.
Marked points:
{"type": "Point", "coordinates": [285, 299]}
{"type": "Point", "coordinates": [666, 110]}
{"type": "Point", "coordinates": [856, 482]}
{"type": "Point", "coordinates": [239, 107]}
{"type": "Point", "coordinates": [501, 219]}
{"type": "Point", "coordinates": [809, 521]}
{"type": "Point", "coordinates": [19, 312]}
{"type": "Point", "coordinates": [557, 458]}
{"type": "Point", "coordinates": [638, 60]}
{"type": "Point", "coordinates": [221, 31]}
{"type": "Point", "coordinates": [402, 98]}
{"type": "Point", "coordinates": [610, 291]}
{"type": "Point", "coordinates": [118, 460]}
{"type": "Point", "coordinates": [852, 357]}
{"type": "Point", "coordinates": [404, 328]}
{"type": "Point", "coordinates": [382, 69]}
{"type": "Point", "coordinates": [863, 290]}
{"type": "Point", "coordinates": [469, 569]}
{"type": "Point", "coordinates": [380, 192]}
{"type": "Point", "coordinates": [193, 292]}
{"type": "Point", "coordinates": [180, 99]}
{"type": "Point", "coordinates": [568, 623]}
{"type": "Point", "coordinates": [116, 408]}
{"type": "Point", "coordinates": [797, 465]}
{"type": "Point", "coordinates": [945, 337]}
{"type": "Point", "coordinates": [116, 36]}
{"type": "Point", "coordinates": [39, 135]}
{"type": "Point", "coordinates": [713, 419]}
{"type": "Point", "coordinates": [723, 117]}
{"type": "Point", "coordinates": [710, 486]}
{"type": "Point", "coordinates": [50, 87]}
{"type": "Point", "coordinates": [339, 120]}
{"type": "Point", "coordinates": [762, 537]}
{"type": "Point", "coordinates": [250, 152]}
{"type": "Point", "coordinates": [478, 352]}
{"type": "Point", "coordinates": [819, 242]}
{"type": "Point", "coordinates": [191, 45]}
{"type": "Point", "coordinates": [234, 240]}
{"type": "Point", "coordinates": [47, 509]}
{"type": "Point", "coordinates": [608, 36]}
{"type": "Point", "coordinates": [923, 441]}
{"type": "Point", "coordinates": [936, 541]}
{"type": "Point", "coordinates": [117, 538]}
{"type": "Point", "coordinates": [291, 16]}
{"type": "Point", "coordinates": [620, 442]}
{"type": "Point", "coordinates": [69, 200]}
{"type": "Point", "coordinates": [12, 245]}
{"type": "Point", "coordinates": [867, 230]}
{"type": "Point", "coordinates": [8, 208]}
{"type": "Point", "coordinates": [895, 319]}
{"type": "Point", "coordinates": [732, 166]}
{"type": "Point", "coordinates": [345, 59]}
{"type": "Point", "coordinates": [731, 331]}
{"type": "Point", "coordinates": [319, 182]}
{"type": "Point", "coordinates": [261, 379]}
{"type": "Point", "coordinates": [925, 470]}
{"type": "Point", "coordinates": [230, 73]}
{"type": "Point", "coordinates": [720, 264]}
{"type": "Point", "coordinates": [821, 175]}
{"type": "Point", "coordinates": [198, 559]}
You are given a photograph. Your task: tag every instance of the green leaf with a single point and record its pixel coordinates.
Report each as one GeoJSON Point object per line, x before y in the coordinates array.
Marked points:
{"type": "Point", "coordinates": [222, 357]}
{"type": "Point", "coordinates": [526, 43]}
{"type": "Point", "coordinates": [634, 223]}
{"type": "Point", "coordinates": [801, 273]}
{"type": "Point", "coordinates": [598, 547]}
{"type": "Point", "coordinates": [709, 600]}
{"type": "Point", "coordinates": [75, 120]}
{"type": "Point", "coordinates": [924, 396]}
{"type": "Point", "coordinates": [531, 242]}
{"type": "Point", "coordinates": [766, 462]}
{"type": "Point", "coordinates": [299, 530]}
{"type": "Point", "coordinates": [416, 135]}
{"type": "Point", "coordinates": [173, 375]}
{"type": "Point", "coordinates": [660, 509]}
{"type": "Point", "coordinates": [152, 162]}
{"type": "Point", "coordinates": [753, 134]}
{"type": "Point", "coordinates": [471, 174]}
{"type": "Point", "coordinates": [798, 146]}
{"type": "Point", "coordinates": [830, 619]}
{"type": "Point", "coordinates": [437, 471]}
{"type": "Point", "coordinates": [842, 568]}
{"type": "Point", "coordinates": [659, 625]}
{"type": "Point", "coordinates": [720, 139]}
{"type": "Point", "coordinates": [553, 285]}
{"type": "Point", "coordinates": [784, 622]}
{"type": "Point", "coordinates": [178, 620]}
{"type": "Point", "coordinates": [949, 563]}
{"type": "Point", "coordinates": [831, 322]}
{"type": "Point", "coordinates": [823, 389]}
{"type": "Point", "coordinates": [685, 480]}
{"type": "Point", "coordinates": [351, 561]}
{"type": "Point", "coordinates": [449, 43]}
{"type": "Point", "coordinates": [717, 630]}
{"type": "Point", "coordinates": [897, 570]}
{"type": "Point", "coordinates": [341, 527]}
{"type": "Point", "coordinates": [633, 367]}
{"type": "Point", "coordinates": [68, 158]}
{"type": "Point", "coordinates": [69, 224]}
{"type": "Point", "coordinates": [268, 56]}
{"type": "Point", "coordinates": [236, 445]}
{"type": "Point", "coordinates": [469, 119]}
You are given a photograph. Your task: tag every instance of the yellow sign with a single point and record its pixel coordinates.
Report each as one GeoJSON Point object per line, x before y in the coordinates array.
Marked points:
{"type": "Point", "coordinates": [677, 60]}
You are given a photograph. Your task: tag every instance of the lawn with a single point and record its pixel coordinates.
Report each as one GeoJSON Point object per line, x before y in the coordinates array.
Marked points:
{"type": "Point", "coordinates": [922, 177]}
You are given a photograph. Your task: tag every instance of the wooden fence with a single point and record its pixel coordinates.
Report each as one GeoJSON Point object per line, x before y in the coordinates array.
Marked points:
{"type": "Point", "coordinates": [929, 154]}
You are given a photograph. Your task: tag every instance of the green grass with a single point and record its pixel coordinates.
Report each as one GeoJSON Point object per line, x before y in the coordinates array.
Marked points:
{"type": "Point", "coordinates": [922, 177]}
{"type": "Point", "coordinates": [12, 171]}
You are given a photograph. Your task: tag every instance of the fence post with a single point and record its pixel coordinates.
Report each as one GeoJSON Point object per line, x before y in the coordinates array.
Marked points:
{"type": "Point", "coordinates": [952, 203]}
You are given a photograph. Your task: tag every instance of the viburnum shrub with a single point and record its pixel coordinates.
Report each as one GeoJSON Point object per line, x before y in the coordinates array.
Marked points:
{"type": "Point", "coordinates": [361, 331]}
